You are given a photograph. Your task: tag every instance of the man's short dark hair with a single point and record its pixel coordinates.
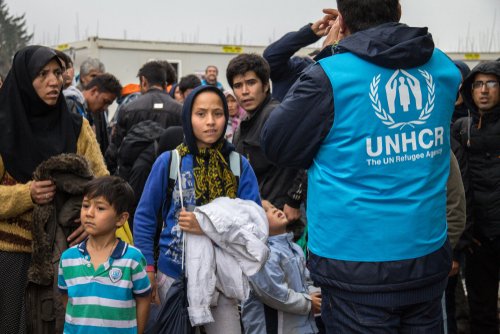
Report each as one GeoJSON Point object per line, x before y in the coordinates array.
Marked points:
{"type": "Point", "coordinates": [113, 189]}
{"type": "Point", "coordinates": [170, 71]}
{"type": "Point", "coordinates": [106, 83]}
{"type": "Point", "coordinates": [154, 72]}
{"type": "Point", "coordinates": [246, 62]}
{"type": "Point", "coordinates": [189, 81]}
{"type": "Point", "coordinates": [364, 14]}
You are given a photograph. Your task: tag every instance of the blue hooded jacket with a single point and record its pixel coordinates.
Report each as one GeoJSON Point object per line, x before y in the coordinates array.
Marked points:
{"type": "Point", "coordinates": [154, 196]}
{"type": "Point", "coordinates": [305, 131]}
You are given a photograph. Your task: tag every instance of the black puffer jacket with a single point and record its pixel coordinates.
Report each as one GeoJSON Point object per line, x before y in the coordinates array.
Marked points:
{"type": "Point", "coordinates": [479, 135]}
{"type": "Point", "coordinates": [154, 105]}
{"type": "Point", "coordinates": [276, 184]}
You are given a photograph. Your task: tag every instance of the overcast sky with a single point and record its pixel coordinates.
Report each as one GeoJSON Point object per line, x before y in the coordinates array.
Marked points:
{"type": "Point", "coordinates": [457, 25]}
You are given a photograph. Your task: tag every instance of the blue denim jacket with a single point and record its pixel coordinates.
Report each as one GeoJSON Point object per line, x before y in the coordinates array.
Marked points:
{"type": "Point", "coordinates": [282, 285]}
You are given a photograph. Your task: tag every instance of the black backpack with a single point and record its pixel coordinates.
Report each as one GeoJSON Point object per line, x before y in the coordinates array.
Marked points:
{"type": "Point", "coordinates": [140, 136]}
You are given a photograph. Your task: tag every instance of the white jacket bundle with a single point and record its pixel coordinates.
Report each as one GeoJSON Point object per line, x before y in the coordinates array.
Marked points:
{"type": "Point", "coordinates": [233, 248]}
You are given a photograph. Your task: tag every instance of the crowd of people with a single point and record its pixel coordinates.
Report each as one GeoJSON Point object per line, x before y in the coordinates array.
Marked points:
{"type": "Point", "coordinates": [350, 191]}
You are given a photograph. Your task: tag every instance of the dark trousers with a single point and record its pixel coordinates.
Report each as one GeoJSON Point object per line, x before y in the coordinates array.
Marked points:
{"type": "Point", "coordinates": [451, 320]}
{"type": "Point", "coordinates": [481, 278]}
{"type": "Point", "coordinates": [344, 316]}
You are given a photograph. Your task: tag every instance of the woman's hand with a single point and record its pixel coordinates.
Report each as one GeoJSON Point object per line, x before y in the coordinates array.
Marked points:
{"type": "Point", "coordinates": [42, 192]}
{"type": "Point", "coordinates": [189, 223]}
{"type": "Point", "coordinates": [78, 235]}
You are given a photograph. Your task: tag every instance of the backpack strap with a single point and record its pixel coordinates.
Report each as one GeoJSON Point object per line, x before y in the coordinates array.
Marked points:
{"type": "Point", "coordinates": [235, 163]}
{"type": "Point", "coordinates": [174, 162]}
{"type": "Point", "coordinates": [160, 220]}
{"type": "Point", "coordinates": [465, 128]}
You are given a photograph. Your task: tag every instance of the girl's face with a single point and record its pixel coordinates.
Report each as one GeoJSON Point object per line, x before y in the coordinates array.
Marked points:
{"type": "Point", "coordinates": [207, 118]}
{"type": "Point", "coordinates": [48, 82]}
{"type": "Point", "coordinates": [232, 105]}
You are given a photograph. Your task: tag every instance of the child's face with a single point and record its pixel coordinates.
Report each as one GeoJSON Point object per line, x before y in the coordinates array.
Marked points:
{"type": "Point", "coordinates": [276, 217]}
{"type": "Point", "coordinates": [232, 105]}
{"type": "Point", "coordinates": [99, 218]}
{"type": "Point", "coordinates": [207, 118]}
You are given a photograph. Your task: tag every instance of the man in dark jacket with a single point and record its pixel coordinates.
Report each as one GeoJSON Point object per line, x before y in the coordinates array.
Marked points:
{"type": "Point", "coordinates": [479, 136]}
{"type": "Point", "coordinates": [285, 67]}
{"type": "Point", "coordinates": [248, 76]}
{"type": "Point", "coordinates": [371, 124]}
{"type": "Point", "coordinates": [98, 94]}
{"type": "Point", "coordinates": [154, 104]}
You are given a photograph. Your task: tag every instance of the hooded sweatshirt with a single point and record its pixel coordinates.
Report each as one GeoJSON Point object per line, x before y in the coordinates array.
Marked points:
{"type": "Point", "coordinates": [155, 198]}
{"type": "Point", "coordinates": [371, 175]}
{"type": "Point", "coordinates": [479, 135]}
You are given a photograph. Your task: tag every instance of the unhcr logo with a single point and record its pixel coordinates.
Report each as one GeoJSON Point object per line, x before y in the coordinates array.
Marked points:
{"type": "Point", "coordinates": [398, 89]}
{"type": "Point", "coordinates": [402, 107]}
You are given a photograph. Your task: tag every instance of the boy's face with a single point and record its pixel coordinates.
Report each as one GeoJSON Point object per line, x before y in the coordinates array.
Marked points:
{"type": "Point", "coordinates": [207, 119]}
{"type": "Point", "coordinates": [99, 218]}
{"type": "Point", "coordinates": [277, 219]}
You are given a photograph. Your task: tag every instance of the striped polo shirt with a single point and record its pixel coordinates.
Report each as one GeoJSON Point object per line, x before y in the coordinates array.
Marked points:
{"type": "Point", "coordinates": [102, 299]}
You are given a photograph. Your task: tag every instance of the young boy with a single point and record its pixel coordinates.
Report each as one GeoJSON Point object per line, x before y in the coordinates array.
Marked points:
{"type": "Point", "coordinates": [103, 280]}
{"type": "Point", "coordinates": [280, 293]}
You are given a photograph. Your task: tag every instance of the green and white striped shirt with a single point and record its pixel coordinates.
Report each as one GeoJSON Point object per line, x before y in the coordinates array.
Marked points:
{"type": "Point", "coordinates": [102, 300]}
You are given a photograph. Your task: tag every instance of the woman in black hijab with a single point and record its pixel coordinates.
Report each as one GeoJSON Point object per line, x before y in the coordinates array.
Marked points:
{"type": "Point", "coordinates": [36, 125]}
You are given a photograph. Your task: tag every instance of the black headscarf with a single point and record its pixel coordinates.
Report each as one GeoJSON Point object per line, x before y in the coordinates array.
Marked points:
{"type": "Point", "coordinates": [32, 131]}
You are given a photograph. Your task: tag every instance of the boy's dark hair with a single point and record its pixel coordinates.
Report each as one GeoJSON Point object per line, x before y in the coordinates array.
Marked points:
{"type": "Point", "coordinates": [113, 189]}
{"type": "Point", "coordinates": [246, 62]}
{"type": "Point", "coordinates": [189, 81]}
{"type": "Point", "coordinates": [106, 83]}
{"type": "Point", "coordinates": [364, 14]}
{"type": "Point", "coordinates": [170, 71]}
{"type": "Point", "coordinates": [154, 72]}
{"type": "Point", "coordinates": [68, 63]}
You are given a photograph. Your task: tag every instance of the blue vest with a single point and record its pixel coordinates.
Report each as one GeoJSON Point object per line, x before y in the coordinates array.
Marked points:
{"type": "Point", "coordinates": [377, 186]}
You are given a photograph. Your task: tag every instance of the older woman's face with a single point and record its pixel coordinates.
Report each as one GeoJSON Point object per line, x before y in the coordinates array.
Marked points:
{"type": "Point", "coordinates": [48, 82]}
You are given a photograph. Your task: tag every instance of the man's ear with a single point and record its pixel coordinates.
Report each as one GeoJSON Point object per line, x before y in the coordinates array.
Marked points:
{"type": "Point", "coordinates": [343, 28]}
{"type": "Point", "coordinates": [143, 82]}
{"type": "Point", "coordinates": [399, 12]}
{"type": "Point", "coordinates": [94, 91]}
{"type": "Point", "coordinates": [266, 87]}
{"type": "Point", "coordinates": [122, 219]}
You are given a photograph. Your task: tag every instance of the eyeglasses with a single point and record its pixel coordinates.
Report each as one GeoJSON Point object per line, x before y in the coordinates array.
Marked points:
{"type": "Point", "coordinates": [489, 84]}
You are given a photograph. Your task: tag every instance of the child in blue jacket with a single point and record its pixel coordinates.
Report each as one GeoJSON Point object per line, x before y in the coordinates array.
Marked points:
{"type": "Point", "coordinates": [206, 174]}
{"type": "Point", "coordinates": [282, 300]}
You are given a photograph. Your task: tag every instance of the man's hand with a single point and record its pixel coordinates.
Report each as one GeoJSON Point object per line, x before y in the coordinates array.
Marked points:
{"type": "Point", "coordinates": [334, 33]}
{"type": "Point", "coordinates": [475, 243]}
{"type": "Point", "coordinates": [315, 302]}
{"type": "Point", "coordinates": [455, 266]}
{"type": "Point", "coordinates": [291, 213]}
{"type": "Point", "coordinates": [320, 27]}
{"type": "Point", "coordinates": [155, 297]}
{"type": "Point", "coordinates": [78, 235]}
{"type": "Point", "coordinates": [189, 223]}
{"type": "Point", "coordinates": [42, 192]}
